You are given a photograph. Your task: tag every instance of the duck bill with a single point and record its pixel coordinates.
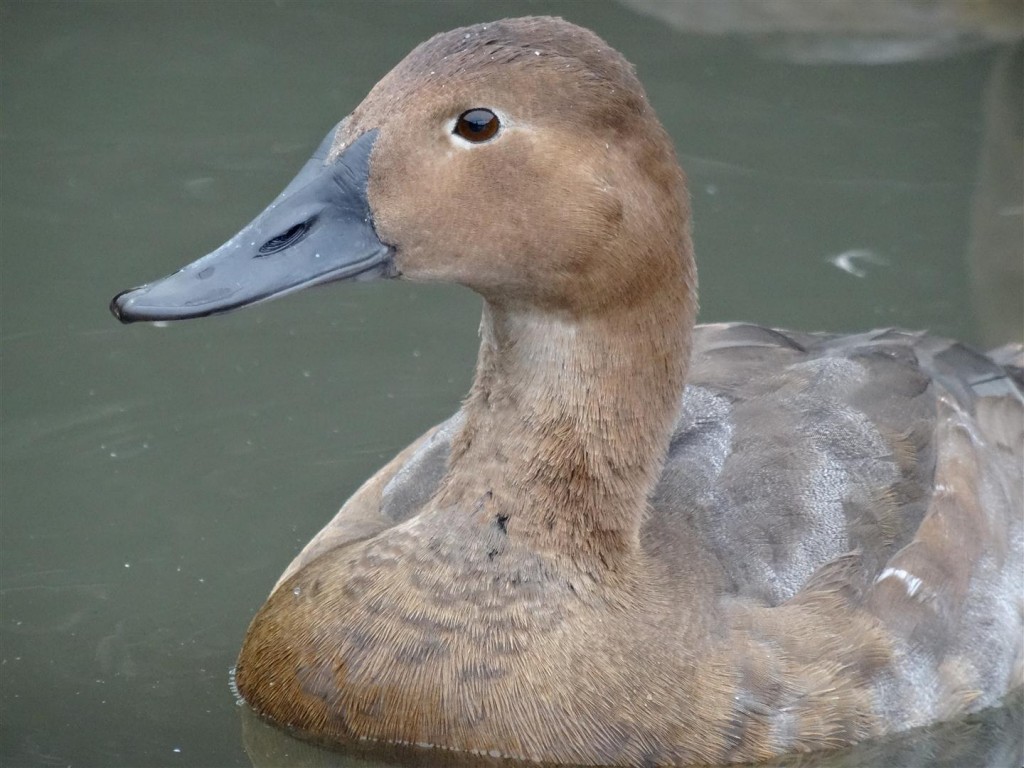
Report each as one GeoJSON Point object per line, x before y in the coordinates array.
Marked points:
{"type": "Point", "coordinates": [318, 230]}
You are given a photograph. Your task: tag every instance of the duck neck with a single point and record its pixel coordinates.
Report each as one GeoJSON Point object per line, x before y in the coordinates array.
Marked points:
{"type": "Point", "coordinates": [568, 422]}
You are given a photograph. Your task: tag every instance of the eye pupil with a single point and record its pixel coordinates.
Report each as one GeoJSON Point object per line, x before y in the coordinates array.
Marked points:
{"type": "Point", "coordinates": [477, 125]}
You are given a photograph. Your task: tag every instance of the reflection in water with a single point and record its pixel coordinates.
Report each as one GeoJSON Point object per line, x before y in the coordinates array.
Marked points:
{"type": "Point", "coordinates": [990, 739]}
{"type": "Point", "coordinates": [997, 215]}
{"type": "Point", "coordinates": [885, 32]}
{"type": "Point", "coordinates": [834, 31]}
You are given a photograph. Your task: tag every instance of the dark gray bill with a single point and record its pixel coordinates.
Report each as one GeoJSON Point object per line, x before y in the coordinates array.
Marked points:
{"type": "Point", "coordinates": [318, 230]}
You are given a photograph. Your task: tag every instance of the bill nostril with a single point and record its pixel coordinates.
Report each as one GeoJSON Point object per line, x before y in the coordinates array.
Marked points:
{"type": "Point", "coordinates": [289, 237]}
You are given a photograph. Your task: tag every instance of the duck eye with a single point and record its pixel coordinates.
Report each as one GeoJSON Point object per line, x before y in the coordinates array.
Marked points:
{"type": "Point", "coordinates": [477, 125]}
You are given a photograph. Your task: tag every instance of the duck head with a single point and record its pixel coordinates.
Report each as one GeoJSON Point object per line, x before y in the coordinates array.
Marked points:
{"type": "Point", "coordinates": [519, 158]}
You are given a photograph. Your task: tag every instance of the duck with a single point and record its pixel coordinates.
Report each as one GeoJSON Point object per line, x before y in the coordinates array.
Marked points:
{"type": "Point", "coordinates": [639, 541]}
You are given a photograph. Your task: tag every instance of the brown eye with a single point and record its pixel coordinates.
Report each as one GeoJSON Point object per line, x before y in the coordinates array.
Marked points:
{"type": "Point", "coordinates": [477, 125]}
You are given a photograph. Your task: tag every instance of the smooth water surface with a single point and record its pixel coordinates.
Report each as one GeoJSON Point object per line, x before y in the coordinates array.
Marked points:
{"type": "Point", "coordinates": [156, 481]}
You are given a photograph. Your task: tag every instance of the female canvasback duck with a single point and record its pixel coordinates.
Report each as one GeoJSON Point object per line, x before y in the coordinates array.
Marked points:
{"type": "Point", "coordinates": [638, 541]}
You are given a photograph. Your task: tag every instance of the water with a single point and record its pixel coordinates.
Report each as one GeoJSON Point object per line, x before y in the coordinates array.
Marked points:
{"type": "Point", "coordinates": [156, 481]}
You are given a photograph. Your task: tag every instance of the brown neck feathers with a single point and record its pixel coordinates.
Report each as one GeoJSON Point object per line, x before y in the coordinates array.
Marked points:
{"type": "Point", "coordinates": [569, 419]}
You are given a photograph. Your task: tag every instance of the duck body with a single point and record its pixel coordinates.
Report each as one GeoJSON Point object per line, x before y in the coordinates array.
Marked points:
{"type": "Point", "coordinates": [849, 506]}
{"type": "Point", "coordinates": [639, 541]}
